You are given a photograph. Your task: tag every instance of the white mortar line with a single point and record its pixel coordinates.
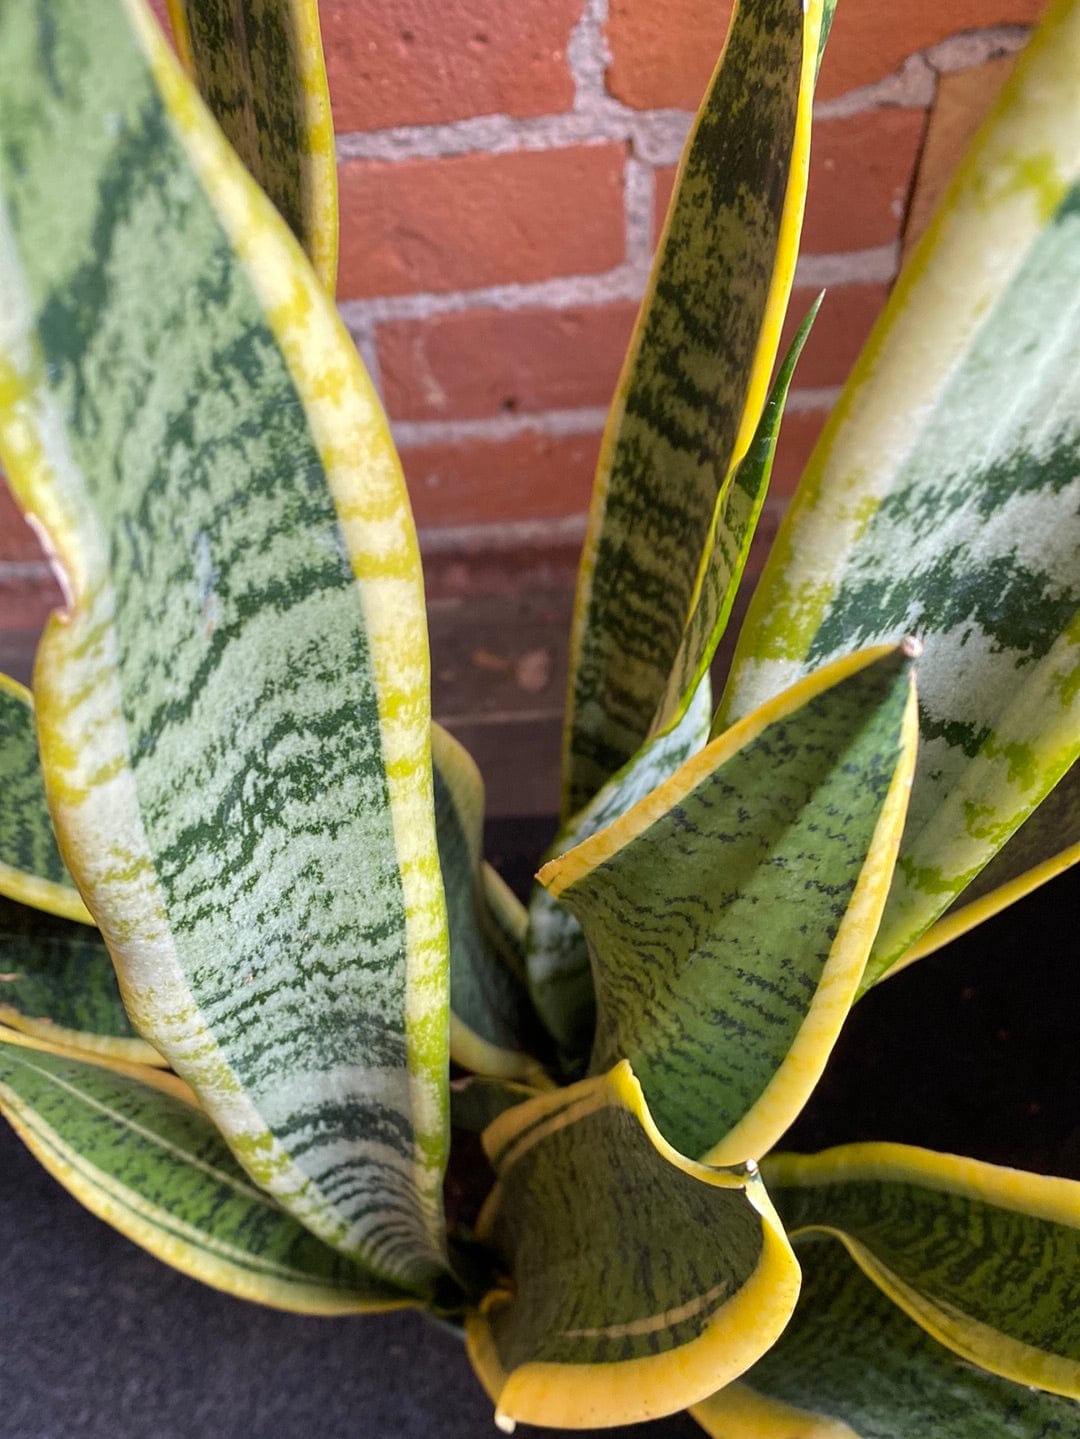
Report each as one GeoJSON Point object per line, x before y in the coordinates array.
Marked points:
{"type": "Point", "coordinates": [856, 267]}
{"type": "Point", "coordinates": [804, 401]}
{"type": "Point", "coordinates": [640, 188]}
{"type": "Point", "coordinates": [975, 47]}
{"type": "Point", "coordinates": [912, 85]}
{"type": "Point", "coordinates": [503, 536]}
{"type": "Point", "coordinates": [408, 434]}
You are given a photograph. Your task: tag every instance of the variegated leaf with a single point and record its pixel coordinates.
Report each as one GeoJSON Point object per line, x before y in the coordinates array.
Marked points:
{"type": "Point", "coordinates": [259, 67]}
{"type": "Point", "coordinates": [986, 1260]}
{"type": "Point", "coordinates": [155, 1168]}
{"type": "Point", "coordinates": [233, 712]}
{"type": "Point", "coordinates": [693, 385]}
{"type": "Point", "coordinates": [57, 981]}
{"type": "Point", "coordinates": [556, 955]}
{"type": "Point", "coordinates": [729, 914]}
{"type": "Point", "coordinates": [944, 499]}
{"type": "Point", "coordinates": [850, 1365]}
{"type": "Point", "coordinates": [636, 1280]}
{"type": "Point", "coordinates": [32, 869]}
{"type": "Point", "coordinates": [493, 1030]}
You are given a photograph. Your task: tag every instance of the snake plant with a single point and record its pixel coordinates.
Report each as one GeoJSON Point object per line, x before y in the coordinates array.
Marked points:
{"type": "Point", "coordinates": [247, 925]}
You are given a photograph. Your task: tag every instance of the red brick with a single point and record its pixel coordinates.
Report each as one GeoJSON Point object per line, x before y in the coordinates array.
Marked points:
{"type": "Point", "coordinates": [861, 173]}
{"type": "Point", "coordinates": [528, 477]}
{"type": "Point", "coordinates": [410, 62]}
{"type": "Point", "coordinates": [840, 330]}
{"type": "Point", "coordinates": [663, 51]}
{"type": "Point", "coordinates": [797, 439]}
{"type": "Point", "coordinates": [486, 362]}
{"type": "Point", "coordinates": [469, 220]}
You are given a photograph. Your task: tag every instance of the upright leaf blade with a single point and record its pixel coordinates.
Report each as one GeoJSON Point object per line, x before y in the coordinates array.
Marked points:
{"type": "Point", "coordinates": [233, 714]}
{"type": "Point", "coordinates": [850, 1365]}
{"type": "Point", "coordinates": [985, 1259]}
{"type": "Point", "coordinates": [585, 1332]}
{"type": "Point", "coordinates": [157, 1170]}
{"type": "Point", "coordinates": [32, 869]}
{"type": "Point", "coordinates": [944, 499]}
{"type": "Point", "coordinates": [259, 67]}
{"type": "Point", "coordinates": [693, 385]}
{"type": "Point", "coordinates": [730, 913]}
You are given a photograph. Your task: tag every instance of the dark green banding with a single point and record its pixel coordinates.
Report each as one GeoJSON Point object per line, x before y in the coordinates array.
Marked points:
{"type": "Point", "coordinates": [601, 1235]}
{"type": "Point", "coordinates": [556, 955]}
{"type": "Point", "coordinates": [1014, 1272]}
{"type": "Point", "coordinates": [175, 1187]}
{"type": "Point", "coordinates": [27, 842]}
{"type": "Point", "coordinates": [693, 356]}
{"type": "Point", "coordinates": [60, 972]}
{"type": "Point", "coordinates": [851, 1356]}
{"type": "Point", "coordinates": [710, 929]}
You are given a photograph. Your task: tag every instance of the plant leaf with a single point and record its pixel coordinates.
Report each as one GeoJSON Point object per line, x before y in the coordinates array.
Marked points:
{"type": "Point", "coordinates": [729, 914]}
{"type": "Point", "coordinates": [944, 499]}
{"type": "Point", "coordinates": [57, 981]}
{"type": "Point", "coordinates": [157, 1170]}
{"type": "Point", "coordinates": [1044, 846]}
{"type": "Point", "coordinates": [850, 1365]}
{"type": "Point", "coordinates": [32, 869]}
{"type": "Point", "coordinates": [738, 509]}
{"type": "Point", "coordinates": [233, 713]}
{"type": "Point", "coordinates": [556, 955]}
{"type": "Point", "coordinates": [490, 1012]}
{"type": "Point", "coordinates": [693, 385]}
{"type": "Point", "coordinates": [985, 1259]}
{"type": "Point", "coordinates": [639, 1279]}
{"type": "Point", "coordinates": [258, 64]}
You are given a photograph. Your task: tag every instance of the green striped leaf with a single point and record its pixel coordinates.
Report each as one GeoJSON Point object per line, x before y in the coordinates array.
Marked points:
{"type": "Point", "coordinates": [32, 869]}
{"type": "Point", "coordinates": [1043, 847]}
{"type": "Point", "coordinates": [986, 1260]}
{"type": "Point", "coordinates": [156, 1169]}
{"type": "Point", "coordinates": [729, 914]}
{"type": "Point", "coordinates": [492, 1028]}
{"type": "Point", "coordinates": [944, 499]}
{"type": "Point", "coordinates": [737, 512]}
{"type": "Point", "coordinates": [234, 713]}
{"type": "Point", "coordinates": [585, 1332]}
{"type": "Point", "coordinates": [556, 955]}
{"type": "Point", "coordinates": [57, 981]}
{"type": "Point", "coordinates": [259, 67]}
{"type": "Point", "coordinates": [695, 380]}
{"type": "Point", "coordinates": [850, 1365]}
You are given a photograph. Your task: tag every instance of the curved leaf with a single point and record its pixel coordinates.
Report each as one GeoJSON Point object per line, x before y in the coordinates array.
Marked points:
{"type": "Point", "coordinates": [234, 711]}
{"type": "Point", "coordinates": [259, 67]}
{"type": "Point", "coordinates": [730, 913]}
{"type": "Point", "coordinates": [985, 1259]}
{"type": "Point", "coordinates": [57, 981]}
{"type": "Point", "coordinates": [490, 1030]}
{"type": "Point", "coordinates": [156, 1169]}
{"type": "Point", "coordinates": [693, 384]}
{"type": "Point", "coordinates": [850, 1365]}
{"type": "Point", "coordinates": [32, 869]}
{"type": "Point", "coordinates": [638, 1279]}
{"type": "Point", "coordinates": [944, 499]}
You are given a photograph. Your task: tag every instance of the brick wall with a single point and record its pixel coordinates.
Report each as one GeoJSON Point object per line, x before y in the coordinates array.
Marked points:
{"type": "Point", "coordinates": [504, 169]}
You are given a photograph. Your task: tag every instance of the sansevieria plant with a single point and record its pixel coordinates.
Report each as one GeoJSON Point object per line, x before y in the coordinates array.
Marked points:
{"type": "Point", "coordinates": [247, 928]}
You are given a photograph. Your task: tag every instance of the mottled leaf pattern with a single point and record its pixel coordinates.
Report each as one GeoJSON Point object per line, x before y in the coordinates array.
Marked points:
{"type": "Point", "coordinates": [730, 913]}
{"type": "Point", "coordinates": [233, 719]}
{"type": "Point", "coordinates": [492, 1028]}
{"type": "Point", "coordinates": [693, 385]}
{"type": "Point", "coordinates": [850, 1365]}
{"type": "Point", "coordinates": [986, 1259]}
{"type": "Point", "coordinates": [57, 981]}
{"type": "Point", "coordinates": [556, 956]}
{"type": "Point", "coordinates": [637, 1279]}
{"type": "Point", "coordinates": [157, 1170]}
{"type": "Point", "coordinates": [944, 499]}
{"type": "Point", "coordinates": [259, 67]}
{"type": "Point", "coordinates": [32, 869]}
